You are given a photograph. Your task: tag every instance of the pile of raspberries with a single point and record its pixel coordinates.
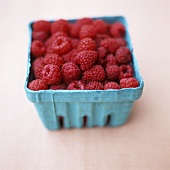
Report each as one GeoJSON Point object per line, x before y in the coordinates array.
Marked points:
{"type": "Point", "coordinates": [89, 54]}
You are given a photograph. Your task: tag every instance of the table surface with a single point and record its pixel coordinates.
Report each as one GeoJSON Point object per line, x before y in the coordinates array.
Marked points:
{"type": "Point", "coordinates": [143, 143]}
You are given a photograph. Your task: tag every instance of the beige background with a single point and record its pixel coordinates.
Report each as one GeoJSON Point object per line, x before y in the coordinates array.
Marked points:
{"type": "Point", "coordinates": [143, 143]}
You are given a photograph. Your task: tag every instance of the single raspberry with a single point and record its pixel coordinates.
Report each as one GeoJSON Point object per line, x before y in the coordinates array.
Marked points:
{"type": "Point", "coordinates": [37, 48]}
{"type": "Point", "coordinates": [70, 56]}
{"type": "Point", "coordinates": [126, 71]}
{"type": "Point", "coordinates": [51, 74]}
{"type": "Point", "coordinates": [94, 85]}
{"type": "Point", "coordinates": [54, 59]}
{"type": "Point", "coordinates": [121, 41]}
{"type": "Point", "coordinates": [110, 60]}
{"type": "Point", "coordinates": [70, 72]}
{"type": "Point", "coordinates": [75, 42]}
{"type": "Point", "coordinates": [87, 31]}
{"type": "Point", "coordinates": [110, 44]}
{"type": "Point", "coordinates": [74, 30]}
{"type": "Point", "coordinates": [38, 66]}
{"type": "Point", "coordinates": [86, 44]}
{"type": "Point", "coordinates": [60, 45]}
{"type": "Point", "coordinates": [60, 25]}
{"type": "Point", "coordinates": [41, 25]}
{"type": "Point", "coordinates": [37, 85]}
{"type": "Point", "coordinates": [84, 21]}
{"type": "Point", "coordinates": [40, 35]}
{"type": "Point", "coordinates": [111, 85]}
{"type": "Point", "coordinates": [100, 26]}
{"type": "Point", "coordinates": [112, 72]}
{"type": "Point", "coordinates": [100, 37]}
{"type": "Point", "coordinates": [76, 85]}
{"type": "Point", "coordinates": [129, 82]}
{"type": "Point", "coordinates": [54, 36]}
{"type": "Point", "coordinates": [96, 73]}
{"type": "Point", "coordinates": [117, 29]}
{"type": "Point", "coordinates": [101, 52]}
{"type": "Point", "coordinates": [123, 55]}
{"type": "Point", "coordinates": [86, 59]}
{"type": "Point", "coordinates": [61, 86]}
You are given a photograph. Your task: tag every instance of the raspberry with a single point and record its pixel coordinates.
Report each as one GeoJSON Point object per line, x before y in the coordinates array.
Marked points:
{"type": "Point", "coordinates": [76, 85]}
{"type": "Point", "coordinates": [87, 31]}
{"type": "Point", "coordinates": [96, 73]}
{"type": "Point", "coordinates": [61, 86]}
{"type": "Point", "coordinates": [70, 72]}
{"type": "Point", "coordinates": [54, 59]}
{"type": "Point", "coordinates": [121, 41]}
{"type": "Point", "coordinates": [37, 48]}
{"type": "Point", "coordinates": [70, 56]}
{"type": "Point", "coordinates": [75, 42]}
{"type": "Point", "coordinates": [86, 59]}
{"type": "Point", "coordinates": [37, 85]}
{"type": "Point", "coordinates": [84, 21]}
{"type": "Point", "coordinates": [123, 55]}
{"type": "Point", "coordinates": [112, 72]}
{"type": "Point", "coordinates": [110, 44]}
{"type": "Point", "coordinates": [129, 82]}
{"type": "Point", "coordinates": [110, 60]}
{"type": "Point", "coordinates": [111, 85]}
{"type": "Point", "coordinates": [100, 37]}
{"type": "Point", "coordinates": [60, 45]}
{"type": "Point", "coordinates": [51, 74]}
{"type": "Point", "coordinates": [41, 25]}
{"type": "Point", "coordinates": [60, 25]}
{"type": "Point", "coordinates": [94, 85]}
{"type": "Point", "coordinates": [74, 30]}
{"type": "Point", "coordinates": [117, 29]}
{"type": "Point", "coordinates": [86, 44]}
{"type": "Point", "coordinates": [39, 35]}
{"type": "Point", "coordinates": [100, 26]}
{"type": "Point", "coordinates": [101, 52]}
{"type": "Point", "coordinates": [38, 66]}
{"type": "Point", "coordinates": [126, 71]}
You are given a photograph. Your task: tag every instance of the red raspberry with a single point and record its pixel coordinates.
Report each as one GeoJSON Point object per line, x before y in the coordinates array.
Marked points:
{"type": "Point", "coordinates": [126, 71]}
{"type": "Point", "coordinates": [101, 52]}
{"type": "Point", "coordinates": [75, 42]}
{"type": "Point", "coordinates": [76, 85]}
{"type": "Point", "coordinates": [61, 86]}
{"type": "Point", "coordinates": [112, 72]}
{"type": "Point", "coordinates": [70, 72]}
{"type": "Point", "coordinates": [70, 56]}
{"type": "Point", "coordinates": [61, 45]}
{"type": "Point", "coordinates": [39, 35]}
{"type": "Point", "coordinates": [94, 85]}
{"type": "Point", "coordinates": [111, 85]}
{"type": "Point", "coordinates": [37, 85]}
{"type": "Point", "coordinates": [74, 30]}
{"type": "Point", "coordinates": [60, 25]}
{"type": "Point", "coordinates": [51, 74]}
{"type": "Point", "coordinates": [86, 44]}
{"type": "Point", "coordinates": [129, 82]}
{"type": "Point", "coordinates": [54, 59]}
{"type": "Point", "coordinates": [96, 73]}
{"type": "Point", "coordinates": [110, 60]}
{"type": "Point", "coordinates": [110, 44]}
{"type": "Point", "coordinates": [87, 31]}
{"type": "Point", "coordinates": [123, 55]}
{"type": "Point", "coordinates": [117, 29]}
{"type": "Point", "coordinates": [38, 66]}
{"type": "Point", "coordinates": [86, 59]}
{"type": "Point", "coordinates": [100, 37]}
{"type": "Point", "coordinates": [84, 21]}
{"type": "Point", "coordinates": [41, 25]}
{"type": "Point", "coordinates": [37, 48]}
{"type": "Point", "coordinates": [100, 26]}
{"type": "Point", "coordinates": [121, 41]}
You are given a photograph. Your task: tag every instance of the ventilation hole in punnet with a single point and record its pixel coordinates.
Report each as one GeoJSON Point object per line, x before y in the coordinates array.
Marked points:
{"type": "Point", "coordinates": [84, 121]}
{"type": "Point", "coordinates": [108, 120]}
{"type": "Point", "coordinates": [61, 121]}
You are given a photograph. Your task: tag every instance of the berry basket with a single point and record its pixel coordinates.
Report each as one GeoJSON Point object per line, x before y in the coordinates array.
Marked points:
{"type": "Point", "coordinates": [80, 108]}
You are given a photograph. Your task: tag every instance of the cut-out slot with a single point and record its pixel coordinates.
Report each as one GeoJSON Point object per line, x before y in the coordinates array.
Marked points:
{"type": "Point", "coordinates": [108, 119]}
{"type": "Point", "coordinates": [61, 121]}
{"type": "Point", "coordinates": [85, 121]}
